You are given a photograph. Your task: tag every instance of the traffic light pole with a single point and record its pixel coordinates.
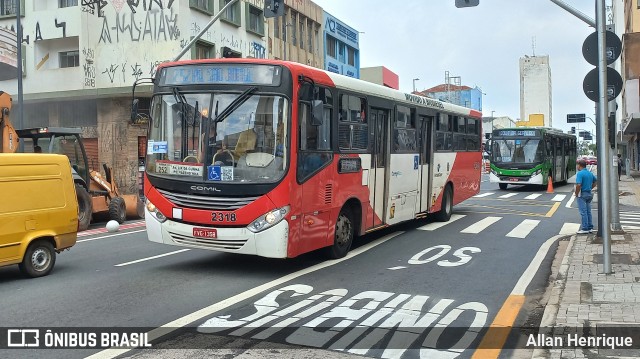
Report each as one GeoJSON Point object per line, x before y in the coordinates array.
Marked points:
{"type": "Point", "coordinates": [604, 167]}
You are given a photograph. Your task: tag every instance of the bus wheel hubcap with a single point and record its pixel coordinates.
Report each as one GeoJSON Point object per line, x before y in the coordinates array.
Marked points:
{"type": "Point", "coordinates": [343, 231]}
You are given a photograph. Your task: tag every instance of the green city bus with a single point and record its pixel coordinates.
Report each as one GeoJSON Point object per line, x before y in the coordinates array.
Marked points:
{"type": "Point", "coordinates": [531, 155]}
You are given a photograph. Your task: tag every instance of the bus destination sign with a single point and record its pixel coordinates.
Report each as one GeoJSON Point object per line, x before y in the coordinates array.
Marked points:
{"type": "Point", "coordinates": [223, 74]}
{"type": "Point", "coordinates": [517, 133]}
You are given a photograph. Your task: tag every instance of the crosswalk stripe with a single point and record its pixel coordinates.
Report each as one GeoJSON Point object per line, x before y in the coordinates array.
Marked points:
{"type": "Point", "coordinates": [569, 228]}
{"type": "Point", "coordinates": [629, 215]}
{"type": "Point", "coordinates": [508, 195]}
{"type": "Point", "coordinates": [523, 229]}
{"type": "Point", "coordinates": [533, 196]}
{"type": "Point", "coordinates": [435, 225]}
{"type": "Point", "coordinates": [630, 227]}
{"type": "Point", "coordinates": [483, 195]}
{"type": "Point", "coordinates": [632, 222]}
{"type": "Point", "coordinates": [559, 198]}
{"type": "Point", "coordinates": [481, 225]}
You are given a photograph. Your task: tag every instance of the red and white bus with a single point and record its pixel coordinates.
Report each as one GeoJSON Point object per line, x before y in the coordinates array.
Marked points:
{"type": "Point", "coordinates": [277, 159]}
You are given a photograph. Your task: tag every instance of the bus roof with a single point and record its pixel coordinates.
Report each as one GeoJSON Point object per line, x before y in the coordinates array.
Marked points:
{"type": "Point", "coordinates": [346, 83]}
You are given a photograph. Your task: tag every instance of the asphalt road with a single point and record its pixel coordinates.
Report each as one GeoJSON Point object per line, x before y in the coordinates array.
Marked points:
{"type": "Point", "coordinates": [406, 280]}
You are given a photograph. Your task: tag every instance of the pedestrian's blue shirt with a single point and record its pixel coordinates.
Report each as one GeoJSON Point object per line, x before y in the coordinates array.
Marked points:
{"type": "Point", "coordinates": [585, 179]}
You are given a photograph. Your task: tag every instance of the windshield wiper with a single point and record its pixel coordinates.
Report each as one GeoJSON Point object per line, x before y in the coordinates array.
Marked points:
{"type": "Point", "coordinates": [235, 104]}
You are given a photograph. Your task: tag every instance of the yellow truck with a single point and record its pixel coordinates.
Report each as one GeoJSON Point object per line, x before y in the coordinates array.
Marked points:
{"type": "Point", "coordinates": [38, 205]}
{"type": "Point", "coordinates": [38, 211]}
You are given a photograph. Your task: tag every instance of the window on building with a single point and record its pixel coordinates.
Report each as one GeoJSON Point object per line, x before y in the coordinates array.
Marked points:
{"type": "Point", "coordinates": [302, 32]}
{"type": "Point", "coordinates": [204, 51]}
{"type": "Point", "coordinates": [70, 59]}
{"type": "Point", "coordinates": [205, 6]}
{"type": "Point", "coordinates": [255, 20]}
{"type": "Point", "coordinates": [331, 46]}
{"type": "Point", "coordinates": [68, 3]}
{"type": "Point", "coordinates": [232, 14]}
{"type": "Point", "coordinates": [276, 27]}
{"type": "Point", "coordinates": [351, 56]}
{"type": "Point", "coordinates": [341, 52]}
{"type": "Point", "coordinates": [8, 7]}
{"type": "Point", "coordinates": [317, 34]}
{"type": "Point", "coordinates": [310, 33]}
{"type": "Point", "coordinates": [352, 124]}
{"type": "Point", "coordinates": [294, 21]}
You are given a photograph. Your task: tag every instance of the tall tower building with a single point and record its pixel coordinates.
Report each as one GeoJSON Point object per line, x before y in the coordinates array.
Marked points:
{"type": "Point", "coordinates": [535, 89]}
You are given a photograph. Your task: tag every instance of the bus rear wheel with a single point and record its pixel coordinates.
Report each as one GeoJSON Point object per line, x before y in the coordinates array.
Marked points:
{"type": "Point", "coordinates": [343, 235]}
{"type": "Point", "coordinates": [447, 206]}
{"type": "Point", "coordinates": [503, 186]}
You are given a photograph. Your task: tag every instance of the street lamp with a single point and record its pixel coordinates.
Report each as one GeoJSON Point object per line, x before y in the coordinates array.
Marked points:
{"type": "Point", "coordinates": [414, 84]}
{"type": "Point", "coordinates": [492, 118]}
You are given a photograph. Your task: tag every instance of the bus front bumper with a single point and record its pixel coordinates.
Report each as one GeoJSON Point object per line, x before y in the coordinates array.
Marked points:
{"type": "Point", "coordinates": [535, 179]}
{"type": "Point", "coordinates": [271, 243]}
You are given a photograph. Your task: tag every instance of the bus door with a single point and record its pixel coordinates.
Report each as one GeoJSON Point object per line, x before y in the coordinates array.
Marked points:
{"type": "Point", "coordinates": [378, 173]}
{"type": "Point", "coordinates": [424, 126]}
{"type": "Point", "coordinates": [404, 167]}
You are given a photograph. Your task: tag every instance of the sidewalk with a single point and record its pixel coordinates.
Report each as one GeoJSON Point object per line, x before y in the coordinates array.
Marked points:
{"type": "Point", "coordinates": [583, 298]}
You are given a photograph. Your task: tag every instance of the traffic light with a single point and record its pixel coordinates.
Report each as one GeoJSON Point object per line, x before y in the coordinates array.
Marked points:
{"type": "Point", "coordinates": [467, 3]}
{"type": "Point", "coordinates": [573, 130]}
{"type": "Point", "coordinates": [273, 8]}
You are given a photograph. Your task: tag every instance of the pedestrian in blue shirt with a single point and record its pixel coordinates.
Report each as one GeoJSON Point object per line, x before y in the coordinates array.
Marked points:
{"type": "Point", "coordinates": [585, 182]}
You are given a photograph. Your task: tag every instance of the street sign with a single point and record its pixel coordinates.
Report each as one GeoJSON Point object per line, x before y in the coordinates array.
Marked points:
{"type": "Point", "coordinates": [590, 48]}
{"type": "Point", "coordinates": [584, 133]}
{"type": "Point", "coordinates": [588, 138]}
{"type": "Point", "coordinates": [614, 84]}
{"type": "Point", "coordinates": [576, 118]}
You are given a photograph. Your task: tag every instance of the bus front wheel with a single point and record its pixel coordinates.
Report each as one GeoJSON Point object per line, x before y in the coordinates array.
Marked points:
{"type": "Point", "coordinates": [343, 235]}
{"type": "Point", "coordinates": [503, 186]}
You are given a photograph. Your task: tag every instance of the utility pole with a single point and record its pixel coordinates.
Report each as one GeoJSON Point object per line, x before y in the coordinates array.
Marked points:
{"type": "Point", "coordinates": [604, 163]}
{"type": "Point", "coordinates": [19, 49]}
{"type": "Point", "coordinates": [602, 133]}
{"type": "Point", "coordinates": [615, 199]}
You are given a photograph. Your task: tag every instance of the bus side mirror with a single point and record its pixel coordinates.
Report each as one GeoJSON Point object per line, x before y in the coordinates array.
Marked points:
{"type": "Point", "coordinates": [134, 110]}
{"type": "Point", "coordinates": [317, 112]}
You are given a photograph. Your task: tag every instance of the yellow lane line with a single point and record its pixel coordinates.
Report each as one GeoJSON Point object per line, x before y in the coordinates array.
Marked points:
{"type": "Point", "coordinates": [553, 210]}
{"type": "Point", "coordinates": [493, 341]}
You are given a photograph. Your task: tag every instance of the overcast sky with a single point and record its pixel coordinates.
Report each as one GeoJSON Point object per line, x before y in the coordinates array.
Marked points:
{"type": "Point", "coordinates": [424, 38]}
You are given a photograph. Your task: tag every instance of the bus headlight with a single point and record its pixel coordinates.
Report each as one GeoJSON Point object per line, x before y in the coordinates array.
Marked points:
{"type": "Point", "coordinates": [268, 220]}
{"type": "Point", "coordinates": [155, 212]}
{"type": "Point", "coordinates": [536, 173]}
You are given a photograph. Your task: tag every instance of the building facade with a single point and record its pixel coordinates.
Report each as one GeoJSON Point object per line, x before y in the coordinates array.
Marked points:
{"type": "Point", "coordinates": [535, 88]}
{"type": "Point", "coordinates": [82, 57]}
{"type": "Point", "coordinates": [630, 122]}
{"type": "Point", "coordinates": [380, 75]}
{"type": "Point", "coordinates": [342, 50]}
{"type": "Point", "coordinates": [459, 95]}
{"type": "Point", "coordinates": [298, 36]}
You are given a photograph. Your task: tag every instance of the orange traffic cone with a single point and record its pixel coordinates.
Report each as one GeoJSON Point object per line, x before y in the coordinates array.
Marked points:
{"type": "Point", "coordinates": [550, 185]}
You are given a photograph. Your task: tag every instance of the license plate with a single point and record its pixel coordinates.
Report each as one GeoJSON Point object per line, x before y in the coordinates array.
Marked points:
{"type": "Point", "coordinates": [514, 179]}
{"type": "Point", "coordinates": [205, 233]}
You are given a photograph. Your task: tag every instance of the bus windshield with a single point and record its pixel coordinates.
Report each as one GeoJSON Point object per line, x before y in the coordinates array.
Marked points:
{"type": "Point", "coordinates": [218, 137]}
{"type": "Point", "coordinates": [526, 150]}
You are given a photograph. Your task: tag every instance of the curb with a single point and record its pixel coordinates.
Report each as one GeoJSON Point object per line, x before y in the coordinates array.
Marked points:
{"type": "Point", "coordinates": [553, 304]}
